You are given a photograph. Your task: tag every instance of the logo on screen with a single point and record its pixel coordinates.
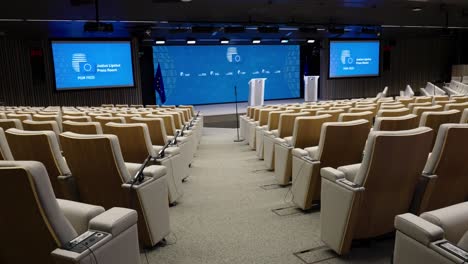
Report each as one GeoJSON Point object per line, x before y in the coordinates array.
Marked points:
{"type": "Point", "coordinates": [80, 63]}
{"type": "Point", "coordinates": [346, 57]}
{"type": "Point", "coordinates": [232, 55]}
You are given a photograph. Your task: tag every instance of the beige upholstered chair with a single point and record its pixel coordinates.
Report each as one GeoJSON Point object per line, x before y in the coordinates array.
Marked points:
{"type": "Point", "coordinates": [5, 152]}
{"type": "Point", "coordinates": [423, 99]}
{"type": "Point", "coordinates": [438, 98]}
{"type": "Point", "coordinates": [396, 123]}
{"type": "Point", "coordinates": [128, 116]}
{"type": "Point", "coordinates": [426, 239]}
{"type": "Point", "coordinates": [406, 101]}
{"type": "Point", "coordinates": [334, 113]}
{"type": "Point", "coordinates": [341, 143]}
{"type": "Point", "coordinates": [3, 115]}
{"type": "Point", "coordinates": [103, 120]}
{"type": "Point", "coordinates": [306, 133]}
{"type": "Point", "coordinates": [435, 119]}
{"type": "Point", "coordinates": [461, 99]}
{"type": "Point", "coordinates": [103, 178]}
{"type": "Point", "coordinates": [391, 106]}
{"type": "Point", "coordinates": [73, 113]}
{"type": "Point", "coordinates": [94, 115]}
{"type": "Point", "coordinates": [136, 146]}
{"type": "Point", "coordinates": [82, 127]}
{"type": "Point", "coordinates": [31, 125]}
{"type": "Point", "coordinates": [121, 105]}
{"type": "Point", "coordinates": [11, 123]}
{"type": "Point", "coordinates": [107, 105]}
{"type": "Point", "coordinates": [156, 128]}
{"type": "Point", "coordinates": [445, 178]}
{"type": "Point", "coordinates": [76, 118]}
{"type": "Point", "coordinates": [50, 224]}
{"type": "Point", "coordinates": [361, 201]}
{"type": "Point", "coordinates": [285, 129]}
{"type": "Point", "coordinates": [272, 124]}
{"type": "Point", "coordinates": [367, 115]}
{"type": "Point", "coordinates": [20, 117]}
{"type": "Point", "coordinates": [464, 118]}
{"type": "Point", "coordinates": [411, 106]}
{"type": "Point", "coordinates": [444, 103]}
{"type": "Point", "coordinates": [393, 112]}
{"type": "Point", "coordinates": [260, 123]}
{"type": "Point", "coordinates": [457, 106]}
{"type": "Point", "coordinates": [421, 109]}
{"type": "Point", "coordinates": [43, 146]}
{"type": "Point", "coordinates": [137, 105]}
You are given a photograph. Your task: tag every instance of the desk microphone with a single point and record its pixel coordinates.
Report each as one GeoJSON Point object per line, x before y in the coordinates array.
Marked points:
{"type": "Point", "coordinates": [139, 177]}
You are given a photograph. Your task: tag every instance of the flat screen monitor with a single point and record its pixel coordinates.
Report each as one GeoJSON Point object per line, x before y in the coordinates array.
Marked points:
{"type": "Point", "coordinates": [354, 58]}
{"type": "Point", "coordinates": [92, 64]}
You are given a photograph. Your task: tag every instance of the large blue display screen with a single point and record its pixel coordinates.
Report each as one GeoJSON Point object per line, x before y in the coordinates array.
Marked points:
{"type": "Point", "coordinates": [359, 58]}
{"type": "Point", "coordinates": [92, 64]}
{"type": "Point", "coordinates": [208, 74]}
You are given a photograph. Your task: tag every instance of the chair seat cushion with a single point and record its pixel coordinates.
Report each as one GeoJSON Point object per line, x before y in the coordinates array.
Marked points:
{"type": "Point", "coordinates": [350, 171]}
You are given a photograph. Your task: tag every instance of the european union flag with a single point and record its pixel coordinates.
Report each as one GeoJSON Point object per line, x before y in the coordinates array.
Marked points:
{"type": "Point", "coordinates": [159, 84]}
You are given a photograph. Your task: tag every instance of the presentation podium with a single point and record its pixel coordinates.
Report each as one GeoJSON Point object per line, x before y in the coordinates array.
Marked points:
{"type": "Point", "coordinates": [256, 91]}
{"type": "Point", "coordinates": [311, 88]}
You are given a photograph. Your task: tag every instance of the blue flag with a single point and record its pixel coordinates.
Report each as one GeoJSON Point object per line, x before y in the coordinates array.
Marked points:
{"type": "Point", "coordinates": [159, 85]}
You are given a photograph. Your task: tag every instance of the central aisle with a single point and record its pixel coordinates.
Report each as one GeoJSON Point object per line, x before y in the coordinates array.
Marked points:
{"type": "Point", "coordinates": [226, 217]}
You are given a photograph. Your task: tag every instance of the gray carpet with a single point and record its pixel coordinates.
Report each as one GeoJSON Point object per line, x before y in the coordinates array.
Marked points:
{"type": "Point", "coordinates": [226, 217]}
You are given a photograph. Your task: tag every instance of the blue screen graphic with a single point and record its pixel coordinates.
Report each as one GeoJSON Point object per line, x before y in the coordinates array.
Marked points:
{"type": "Point", "coordinates": [92, 64]}
{"type": "Point", "coordinates": [208, 74]}
{"type": "Point", "coordinates": [358, 58]}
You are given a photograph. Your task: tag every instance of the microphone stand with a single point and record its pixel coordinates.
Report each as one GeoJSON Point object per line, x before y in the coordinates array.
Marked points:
{"type": "Point", "coordinates": [237, 116]}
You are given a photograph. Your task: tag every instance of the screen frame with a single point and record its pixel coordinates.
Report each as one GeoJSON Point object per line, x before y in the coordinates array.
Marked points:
{"type": "Point", "coordinates": [301, 76]}
{"type": "Point", "coordinates": [354, 39]}
{"type": "Point", "coordinates": [97, 40]}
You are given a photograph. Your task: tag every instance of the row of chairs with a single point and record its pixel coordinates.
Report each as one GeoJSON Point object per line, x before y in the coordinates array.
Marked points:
{"type": "Point", "coordinates": [101, 165]}
{"type": "Point", "coordinates": [326, 151]}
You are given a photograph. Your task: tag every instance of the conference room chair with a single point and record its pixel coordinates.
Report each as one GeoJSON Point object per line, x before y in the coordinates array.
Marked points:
{"type": "Point", "coordinates": [438, 98]}
{"type": "Point", "coordinates": [262, 132]}
{"type": "Point", "coordinates": [128, 116]}
{"type": "Point", "coordinates": [190, 140]}
{"type": "Point", "coordinates": [253, 117]}
{"type": "Point", "coordinates": [10, 123]}
{"type": "Point", "coordinates": [361, 201]}
{"type": "Point", "coordinates": [423, 99]}
{"type": "Point", "coordinates": [136, 106]}
{"type": "Point", "coordinates": [406, 101]}
{"type": "Point", "coordinates": [92, 128]}
{"type": "Point", "coordinates": [55, 117]}
{"type": "Point", "coordinates": [103, 120]}
{"type": "Point", "coordinates": [73, 113]}
{"type": "Point", "coordinates": [107, 105]}
{"type": "Point", "coordinates": [364, 109]}
{"type": "Point", "coordinates": [31, 125]}
{"type": "Point", "coordinates": [285, 129]}
{"type": "Point", "coordinates": [463, 120]}
{"type": "Point", "coordinates": [259, 122]}
{"type": "Point", "coordinates": [3, 115]}
{"type": "Point", "coordinates": [49, 224]}
{"type": "Point", "coordinates": [460, 99]}
{"type": "Point", "coordinates": [5, 152]}
{"type": "Point", "coordinates": [419, 110]}
{"type": "Point", "coordinates": [43, 146]}
{"type": "Point", "coordinates": [306, 133]}
{"type": "Point", "coordinates": [20, 117]}
{"type": "Point", "coordinates": [28, 112]}
{"type": "Point", "coordinates": [334, 149]}
{"type": "Point", "coordinates": [367, 115]}
{"type": "Point", "coordinates": [94, 115]}
{"type": "Point", "coordinates": [391, 106]}
{"type": "Point", "coordinates": [243, 120]}
{"type": "Point", "coordinates": [444, 178]}
{"type": "Point", "coordinates": [152, 106]}
{"type": "Point", "coordinates": [334, 113]}
{"type": "Point", "coordinates": [457, 106]}
{"type": "Point", "coordinates": [345, 108]}
{"type": "Point", "coordinates": [435, 237]}
{"type": "Point", "coordinates": [397, 123]}
{"type": "Point", "coordinates": [76, 118]}
{"type": "Point", "coordinates": [121, 105]}
{"type": "Point", "coordinates": [136, 145]}
{"type": "Point", "coordinates": [393, 112]}
{"type": "Point", "coordinates": [435, 119]}
{"type": "Point", "coordinates": [103, 178]}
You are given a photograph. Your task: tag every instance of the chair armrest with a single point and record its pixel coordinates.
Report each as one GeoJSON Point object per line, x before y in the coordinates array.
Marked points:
{"type": "Point", "coordinates": [331, 174]}
{"type": "Point", "coordinates": [79, 214]}
{"type": "Point", "coordinates": [419, 229]}
{"type": "Point", "coordinates": [155, 171]}
{"type": "Point", "coordinates": [114, 221]}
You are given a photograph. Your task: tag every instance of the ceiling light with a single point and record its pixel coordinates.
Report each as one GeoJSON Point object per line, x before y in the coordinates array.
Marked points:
{"type": "Point", "coordinates": [256, 41]}
{"type": "Point", "coordinates": [284, 41]}
{"type": "Point", "coordinates": [160, 42]}
{"type": "Point", "coordinates": [191, 42]}
{"type": "Point", "coordinates": [224, 41]}
{"type": "Point", "coordinates": [186, 1]}
{"type": "Point", "coordinates": [417, 9]}
{"type": "Point", "coordinates": [311, 41]}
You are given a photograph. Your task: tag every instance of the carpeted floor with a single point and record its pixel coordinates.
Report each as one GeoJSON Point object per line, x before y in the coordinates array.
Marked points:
{"type": "Point", "coordinates": [226, 217]}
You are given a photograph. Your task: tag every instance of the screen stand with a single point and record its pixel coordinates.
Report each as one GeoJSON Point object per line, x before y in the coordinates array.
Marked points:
{"type": "Point", "coordinates": [237, 117]}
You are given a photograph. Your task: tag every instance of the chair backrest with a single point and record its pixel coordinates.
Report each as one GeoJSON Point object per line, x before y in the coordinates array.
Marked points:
{"type": "Point", "coordinates": [41, 126]}
{"type": "Point", "coordinates": [156, 129]}
{"type": "Point", "coordinates": [286, 124]}
{"type": "Point", "coordinates": [389, 172]}
{"type": "Point", "coordinates": [103, 120]}
{"type": "Point", "coordinates": [440, 98]}
{"type": "Point", "coordinates": [264, 115]}
{"type": "Point", "coordinates": [448, 162]}
{"type": "Point", "coordinates": [73, 113]}
{"type": "Point", "coordinates": [121, 105]}
{"type": "Point", "coordinates": [134, 140]}
{"type": "Point", "coordinates": [334, 113]}
{"type": "Point", "coordinates": [177, 119]}
{"type": "Point", "coordinates": [307, 129]}
{"type": "Point", "coordinates": [367, 115]}
{"type": "Point", "coordinates": [274, 117]}
{"type": "Point", "coordinates": [82, 127]}
{"type": "Point", "coordinates": [107, 105]}
{"type": "Point", "coordinates": [21, 117]}
{"type": "Point", "coordinates": [32, 213]}
{"type": "Point", "coordinates": [11, 123]}
{"type": "Point", "coordinates": [419, 110]}
{"type": "Point", "coordinates": [168, 123]}
{"type": "Point", "coordinates": [464, 118]}
{"type": "Point", "coordinates": [406, 101]}
{"type": "Point", "coordinates": [392, 106]}
{"type": "Point", "coordinates": [3, 115]}
{"type": "Point", "coordinates": [396, 123]}
{"type": "Point", "coordinates": [435, 119]}
{"type": "Point", "coordinates": [423, 99]}
{"type": "Point", "coordinates": [128, 116]}
{"type": "Point", "coordinates": [42, 146]}
{"type": "Point", "coordinates": [190, 107]}
{"type": "Point", "coordinates": [456, 106]}
{"type": "Point", "coordinates": [5, 152]}
{"type": "Point", "coordinates": [77, 118]}
{"type": "Point", "coordinates": [393, 112]}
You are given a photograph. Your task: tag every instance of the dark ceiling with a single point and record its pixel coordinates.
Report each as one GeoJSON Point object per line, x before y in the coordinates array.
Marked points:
{"type": "Point", "coordinates": [175, 18]}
